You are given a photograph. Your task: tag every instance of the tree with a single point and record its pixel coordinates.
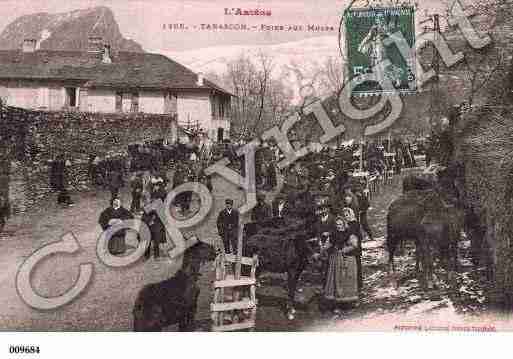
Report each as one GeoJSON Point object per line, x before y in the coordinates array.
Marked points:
{"type": "Point", "coordinates": [261, 99]}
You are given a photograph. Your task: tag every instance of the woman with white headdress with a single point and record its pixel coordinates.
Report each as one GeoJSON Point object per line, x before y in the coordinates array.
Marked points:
{"type": "Point", "coordinates": [341, 284]}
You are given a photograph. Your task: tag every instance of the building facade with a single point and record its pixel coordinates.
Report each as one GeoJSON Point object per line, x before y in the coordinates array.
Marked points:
{"type": "Point", "coordinates": [108, 82]}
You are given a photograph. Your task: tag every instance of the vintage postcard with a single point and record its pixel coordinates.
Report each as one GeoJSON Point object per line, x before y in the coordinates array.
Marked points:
{"type": "Point", "coordinates": [287, 165]}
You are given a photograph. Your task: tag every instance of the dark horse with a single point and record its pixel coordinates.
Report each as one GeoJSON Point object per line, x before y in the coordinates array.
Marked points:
{"type": "Point", "coordinates": [430, 220]}
{"type": "Point", "coordinates": [174, 300]}
{"type": "Point", "coordinates": [282, 246]}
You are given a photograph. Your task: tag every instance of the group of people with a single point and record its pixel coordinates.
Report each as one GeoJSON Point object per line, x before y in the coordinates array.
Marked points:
{"type": "Point", "coordinates": [145, 187]}
{"type": "Point", "coordinates": [339, 228]}
{"type": "Point", "coordinates": [338, 223]}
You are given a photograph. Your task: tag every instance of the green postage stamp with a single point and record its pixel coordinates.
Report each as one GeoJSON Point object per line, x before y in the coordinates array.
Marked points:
{"type": "Point", "coordinates": [365, 33]}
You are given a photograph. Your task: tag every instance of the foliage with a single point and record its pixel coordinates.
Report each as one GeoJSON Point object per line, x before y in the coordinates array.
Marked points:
{"type": "Point", "coordinates": [261, 101]}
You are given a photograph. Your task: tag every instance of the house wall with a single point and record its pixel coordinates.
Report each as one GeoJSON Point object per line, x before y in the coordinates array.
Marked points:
{"type": "Point", "coordinates": [33, 94]}
{"type": "Point", "coordinates": [101, 100]}
{"type": "Point", "coordinates": [191, 107]}
{"type": "Point", "coordinates": [203, 109]}
{"type": "Point", "coordinates": [220, 106]}
{"type": "Point", "coordinates": [152, 102]}
{"type": "Point", "coordinates": [194, 108]}
{"type": "Point", "coordinates": [26, 94]}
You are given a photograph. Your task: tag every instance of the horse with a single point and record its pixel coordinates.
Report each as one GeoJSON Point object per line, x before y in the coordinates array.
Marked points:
{"type": "Point", "coordinates": [429, 220]}
{"type": "Point", "coordinates": [283, 247]}
{"type": "Point", "coordinates": [174, 300]}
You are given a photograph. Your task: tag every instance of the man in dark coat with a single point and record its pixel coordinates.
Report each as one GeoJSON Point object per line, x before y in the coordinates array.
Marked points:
{"type": "Point", "coordinates": [4, 211]}
{"type": "Point", "coordinates": [115, 182]}
{"type": "Point", "coordinates": [262, 211]}
{"type": "Point", "coordinates": [158, 233]}
{"type": "Point", "coordinates": [137, 189]}
{"type": "Point", "coordinates": [110, 217]}
{"type": "Point", "coordinates": [58, 180]}
{"type": "Point", "coordinates": [364, 206]}
{"type": "Point", "coordinates": [228, 225]}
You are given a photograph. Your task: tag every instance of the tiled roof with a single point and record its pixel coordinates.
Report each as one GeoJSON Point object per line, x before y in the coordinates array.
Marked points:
{"type": "Point", "coordinates": [128, 69]}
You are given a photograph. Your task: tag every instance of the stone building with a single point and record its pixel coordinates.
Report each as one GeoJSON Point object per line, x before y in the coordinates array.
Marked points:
{"type": "Point", "coordinates": [103, 80]}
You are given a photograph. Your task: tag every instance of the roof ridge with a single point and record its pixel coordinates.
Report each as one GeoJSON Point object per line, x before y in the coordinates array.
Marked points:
{"type": "Point", "coordinates": [154, 70]}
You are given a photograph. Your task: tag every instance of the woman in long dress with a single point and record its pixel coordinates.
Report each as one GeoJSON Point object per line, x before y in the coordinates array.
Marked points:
{"type": "Point", "coordinates": [353, 226]}
{"type": "Point", "coordinates": [341, 285]}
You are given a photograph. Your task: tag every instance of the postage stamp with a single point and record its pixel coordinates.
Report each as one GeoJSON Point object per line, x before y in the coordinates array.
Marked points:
{"type": "Point", "coordinates": [366, 31]}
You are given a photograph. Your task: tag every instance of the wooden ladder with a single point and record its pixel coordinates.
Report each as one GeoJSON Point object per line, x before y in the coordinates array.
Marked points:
{"type": "Point", "coordinates": [226, 307]}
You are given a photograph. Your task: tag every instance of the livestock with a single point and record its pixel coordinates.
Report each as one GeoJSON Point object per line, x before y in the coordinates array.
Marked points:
{"type": "Point", "coordinates": [174, 300]}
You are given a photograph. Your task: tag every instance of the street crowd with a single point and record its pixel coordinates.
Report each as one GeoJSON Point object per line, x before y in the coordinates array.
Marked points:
{"type": "Point", "coordinates": [323, 178]}
{"type": "Point", "coordinates": [324, 189]}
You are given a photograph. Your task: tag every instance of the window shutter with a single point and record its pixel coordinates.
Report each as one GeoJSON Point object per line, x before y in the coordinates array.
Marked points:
{"type": "Point", "coordinates": [119, 96]}
{"type": "Point", "coordinates": [135, 102]}
{"type": "Point", "coordinates": [66, 97]}
{"type": "Point", "coordinates": [167, 102]}
{"type": "Point", "coordinates": [214, 107]}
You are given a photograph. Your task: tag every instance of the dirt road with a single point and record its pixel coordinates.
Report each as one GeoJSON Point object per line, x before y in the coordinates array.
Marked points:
{"type": "Point", "coordinates": [106, 304]}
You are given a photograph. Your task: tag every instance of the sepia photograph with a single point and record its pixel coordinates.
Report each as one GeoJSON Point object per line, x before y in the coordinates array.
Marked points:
{"type": "Point", "coordinates": [333, 166]}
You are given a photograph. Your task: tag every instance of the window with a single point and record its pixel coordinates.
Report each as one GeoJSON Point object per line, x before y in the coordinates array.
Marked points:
{"type": "Point", "coordinates": [220, 134]}
{"type": "Point", "coordinates": [135, 102]}
{"type": "Point", "coordinates": [221, 108]}
{"type": "Point", "coordinates": [71, 96]}
{"type": "Point", "coordinates": [127, 101]}
{"type": "Point", "coordinates": [170, 103]}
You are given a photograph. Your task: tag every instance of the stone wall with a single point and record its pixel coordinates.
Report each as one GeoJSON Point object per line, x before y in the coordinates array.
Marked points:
{"type": "Point", "coordinates": [44, 135]}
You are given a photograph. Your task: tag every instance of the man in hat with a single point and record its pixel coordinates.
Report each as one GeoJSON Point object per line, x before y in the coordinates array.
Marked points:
{"type": "Point", "coordinates": [111, 216]}
{"type": "Point", "coordinates": [228, 226]}
{"type": "Point", "coordinates": [364, 205]}
{"type": "Point", "coordinates": [262, 211]}
{"type": "Point", "coordinates": [136, 184]}
{"type": "Point", "coordinates": [322, 229]}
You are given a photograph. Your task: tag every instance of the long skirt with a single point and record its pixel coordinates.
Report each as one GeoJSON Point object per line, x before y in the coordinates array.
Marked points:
{"type": "Point", "coordinates": [342, 278]}
{"type": "Point", "coordinates": [117, 244]}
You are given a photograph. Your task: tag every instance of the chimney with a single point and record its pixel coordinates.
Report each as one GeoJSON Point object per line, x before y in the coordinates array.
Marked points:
{"type": "Point", "coordinates": [200, 79]}
{"type": "Point", "coordinates": [106, 59]}
{"type": "Point", "coordinates": [94, 44]}
{"type": "Point", "coordinates": [29, 45]}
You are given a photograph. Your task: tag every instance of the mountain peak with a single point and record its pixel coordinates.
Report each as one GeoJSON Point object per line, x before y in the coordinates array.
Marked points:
{"type": "Point", "coordinates": [67, 31]}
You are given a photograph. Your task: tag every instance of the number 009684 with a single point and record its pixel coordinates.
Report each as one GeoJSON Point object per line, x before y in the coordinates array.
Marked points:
{"type": "Point", "coordinates": [24, 349]}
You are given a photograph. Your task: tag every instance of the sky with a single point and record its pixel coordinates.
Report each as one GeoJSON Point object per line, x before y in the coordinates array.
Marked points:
{"type": "Point", "coordinates": [143, 20]}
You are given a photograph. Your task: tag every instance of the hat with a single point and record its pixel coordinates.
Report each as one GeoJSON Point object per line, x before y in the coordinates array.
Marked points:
{"type": "Point", "coordinates": [228, 201]}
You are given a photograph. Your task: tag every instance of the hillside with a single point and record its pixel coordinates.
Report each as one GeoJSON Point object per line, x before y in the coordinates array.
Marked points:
{"type": "Point", "coordinates": [67, 31]}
